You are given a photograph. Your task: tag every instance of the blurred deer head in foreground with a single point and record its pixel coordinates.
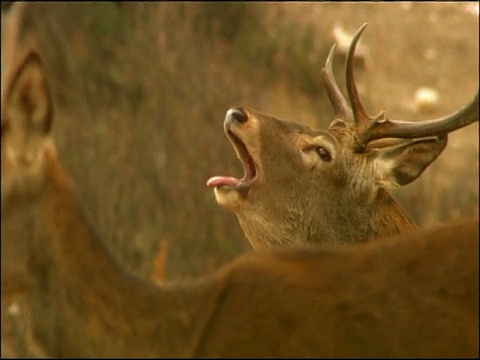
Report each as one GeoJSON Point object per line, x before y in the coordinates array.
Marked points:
{"type": "Point", "coordinates": [304, 185]}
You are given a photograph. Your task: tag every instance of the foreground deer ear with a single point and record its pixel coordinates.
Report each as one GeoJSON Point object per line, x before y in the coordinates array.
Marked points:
{"type": "Point", "coordinates": [400, 165]}
{"type": "Point", "coordinates": [29, 103]}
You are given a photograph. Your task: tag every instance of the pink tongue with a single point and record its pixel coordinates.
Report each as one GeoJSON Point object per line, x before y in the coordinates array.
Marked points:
{"type": "Point", "coordinates": [223, 180]}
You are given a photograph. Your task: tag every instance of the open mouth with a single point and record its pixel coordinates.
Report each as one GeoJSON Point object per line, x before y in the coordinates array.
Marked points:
{"type": "Point", "coordinates": [248, 164]}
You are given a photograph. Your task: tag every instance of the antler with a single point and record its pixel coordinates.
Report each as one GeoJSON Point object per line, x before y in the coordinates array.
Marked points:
{"type": "Point", "coordinates": [378, 127]}
{"type": "Point", "coordinates": [339, 104]}
{"type": "Point", "coordinates": [383, 127]}
{"type": "Point", "coordinates": [360, 117]}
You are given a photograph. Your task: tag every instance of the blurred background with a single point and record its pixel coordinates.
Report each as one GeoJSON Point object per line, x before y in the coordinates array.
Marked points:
{"type": "Point", "coordinates": [142, 90]}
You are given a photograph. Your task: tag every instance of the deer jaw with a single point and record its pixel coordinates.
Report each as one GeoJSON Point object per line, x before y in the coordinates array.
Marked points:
{"type": "Point", "coordinates": [230, 190]}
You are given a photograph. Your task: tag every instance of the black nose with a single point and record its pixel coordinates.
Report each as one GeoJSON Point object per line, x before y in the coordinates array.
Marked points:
{"type": "Point", "coordinates": [236, 115]}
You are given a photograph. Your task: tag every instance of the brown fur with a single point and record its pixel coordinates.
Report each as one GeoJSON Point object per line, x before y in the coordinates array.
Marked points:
{"type": "Point", "coordinates": [412, 296]}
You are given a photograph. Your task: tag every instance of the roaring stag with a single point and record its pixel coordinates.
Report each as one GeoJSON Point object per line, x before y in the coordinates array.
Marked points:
{"type": "Point", "coordinates": [303, 185]}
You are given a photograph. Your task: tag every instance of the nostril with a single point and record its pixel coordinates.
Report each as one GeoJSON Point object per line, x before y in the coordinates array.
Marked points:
{"type": "Point", "coordinates": [237, 115]}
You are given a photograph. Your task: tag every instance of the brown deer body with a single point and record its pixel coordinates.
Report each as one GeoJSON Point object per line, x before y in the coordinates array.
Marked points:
{"type": "Point", "coordinates": [415, 297]}
{"type": "Point", "coordinates": [303, 185]}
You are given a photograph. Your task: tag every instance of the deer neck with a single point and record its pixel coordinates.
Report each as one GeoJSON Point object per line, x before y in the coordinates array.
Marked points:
{"type": "Point", "coordinates": [381, 218]}
{"type": "Point", "coordinates": [84, 303]}
{"type": "Point", "coordinates": [389, 218]}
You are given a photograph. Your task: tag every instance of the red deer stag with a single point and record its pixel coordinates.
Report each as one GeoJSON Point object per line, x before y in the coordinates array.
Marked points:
{"type": "Point", "coordinates": [398, 297]}
{"type": "Point", "coordinates": [303, 185]}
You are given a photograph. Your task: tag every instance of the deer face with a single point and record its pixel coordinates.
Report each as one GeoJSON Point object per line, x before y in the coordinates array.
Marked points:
{"type": "Point", "coordinates": [302, 184]}
{"type": "Point", "coordinates": [305, 185]}
{"type": "Point", "coordinates": [287, 166]}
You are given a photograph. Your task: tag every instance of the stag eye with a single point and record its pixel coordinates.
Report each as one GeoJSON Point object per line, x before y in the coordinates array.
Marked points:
{"type": "Point", "coordinates": [323, 153]}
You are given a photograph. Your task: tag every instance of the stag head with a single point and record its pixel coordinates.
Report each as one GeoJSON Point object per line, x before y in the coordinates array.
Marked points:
{"type": "Point", "coordinates": [306, 185]}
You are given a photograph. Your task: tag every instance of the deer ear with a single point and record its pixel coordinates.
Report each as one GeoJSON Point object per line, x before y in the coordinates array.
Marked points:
{"type": "Point", "coordinates": [399, 165]}
{"type": "Point", "coordinates": [29, 102]}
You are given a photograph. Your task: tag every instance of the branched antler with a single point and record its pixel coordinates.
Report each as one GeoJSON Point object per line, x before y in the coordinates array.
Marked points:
{"type": "Point", "coordinates": [380, 126]}
{"type": "Point", "coordinates": [383, 127]}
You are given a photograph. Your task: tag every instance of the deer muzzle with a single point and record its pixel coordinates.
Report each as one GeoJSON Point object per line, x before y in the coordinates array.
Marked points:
{"type": "Point", "coordinates": [235, 118]}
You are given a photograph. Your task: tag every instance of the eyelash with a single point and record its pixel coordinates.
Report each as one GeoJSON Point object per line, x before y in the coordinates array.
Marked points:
{"type": "Point", "coordinates": [323, 153]}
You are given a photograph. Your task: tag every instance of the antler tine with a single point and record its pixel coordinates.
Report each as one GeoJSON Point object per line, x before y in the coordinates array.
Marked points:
{"type": "Point", "coordinates": [360, 117]}
{"type": "Point", "coordinates": [378, 127]}
{"type": "Point", "coordinates": [383, 127]}
{"type": "Point", "coordinates": [339, 104]}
